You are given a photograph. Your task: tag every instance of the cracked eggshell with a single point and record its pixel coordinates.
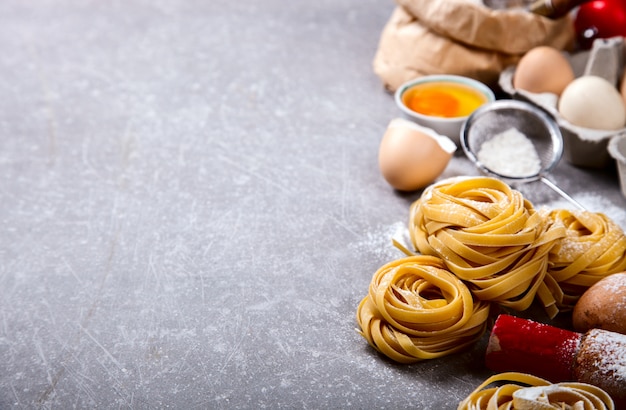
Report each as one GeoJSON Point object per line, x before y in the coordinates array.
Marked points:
{"type": "Point", "coordinates": [411, 157]}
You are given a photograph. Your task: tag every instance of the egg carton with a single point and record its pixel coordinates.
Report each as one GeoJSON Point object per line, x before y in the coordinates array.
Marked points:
{"type": "Point", "coordinates": [582, 147]}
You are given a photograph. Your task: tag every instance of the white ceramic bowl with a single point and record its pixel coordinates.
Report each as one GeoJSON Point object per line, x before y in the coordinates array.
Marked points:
{"type": "Point", "coordinates": [450, 127]}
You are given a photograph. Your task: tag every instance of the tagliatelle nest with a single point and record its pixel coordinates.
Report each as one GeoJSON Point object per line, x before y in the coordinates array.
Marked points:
{"type": "Point", "coordinates": [526, 392]}
{"type": "Point", "coordinates": [488, 235]}
{"type": "Point", "coordinates": [416, 310]}
{"type": "Point", "coordinates": [593, 247]}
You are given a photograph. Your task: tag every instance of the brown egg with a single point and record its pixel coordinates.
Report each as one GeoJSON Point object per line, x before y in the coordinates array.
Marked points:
{"type": "Point", "coordinates": [543, 69]}
{"type": "Point", "coordinates": [603, 305]}
{"type": "Point", "coordinates": [411, 156]}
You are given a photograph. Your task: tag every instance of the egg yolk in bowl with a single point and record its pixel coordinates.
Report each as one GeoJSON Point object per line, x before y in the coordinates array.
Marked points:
{"type": "Point", "coordinates": [443, 99]}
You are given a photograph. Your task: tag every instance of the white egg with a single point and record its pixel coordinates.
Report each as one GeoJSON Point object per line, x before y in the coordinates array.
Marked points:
{"type": "Point", "coordinates": [593, 102]}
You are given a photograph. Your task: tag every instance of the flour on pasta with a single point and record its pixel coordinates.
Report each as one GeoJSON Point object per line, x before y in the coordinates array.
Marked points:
{"type": "Point", "coordinates": [594, 203]}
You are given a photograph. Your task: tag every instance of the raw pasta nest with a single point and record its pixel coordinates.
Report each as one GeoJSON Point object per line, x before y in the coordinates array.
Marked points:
{"type": "Point", "coordinates": [593, 247]}
{"type": "Point", "coordinates": [489, 236]}
{"type": "Point", "coordinates": [417, 310]}
{"type": "Point", "coordinates": [527, 392]}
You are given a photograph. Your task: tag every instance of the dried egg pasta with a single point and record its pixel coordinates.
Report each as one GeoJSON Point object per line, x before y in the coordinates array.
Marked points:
{"type": "Point", "coordinates": [593, 247]}
{"type": "Point", "coordinates": [417, 310]}
{"type": "Point", "coordinates": [522, 391]}
{"type": "Point", "coordinates": [490, 236]}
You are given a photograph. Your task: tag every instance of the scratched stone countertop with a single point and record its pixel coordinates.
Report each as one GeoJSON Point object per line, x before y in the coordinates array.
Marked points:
{"type": "Point", "coordinates": [191, 208]}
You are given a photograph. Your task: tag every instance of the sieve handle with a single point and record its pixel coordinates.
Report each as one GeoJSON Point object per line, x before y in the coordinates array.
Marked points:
{"type": "Point", "coordinates": [562, 193]}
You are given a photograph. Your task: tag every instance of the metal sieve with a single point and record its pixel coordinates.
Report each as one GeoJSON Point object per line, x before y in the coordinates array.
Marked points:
{"type": "Point", "coordinates": [495, 118]}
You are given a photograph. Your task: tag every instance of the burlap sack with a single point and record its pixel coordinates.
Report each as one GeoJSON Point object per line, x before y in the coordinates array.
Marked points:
{"type": "Point", "coordinates": [461, 37]}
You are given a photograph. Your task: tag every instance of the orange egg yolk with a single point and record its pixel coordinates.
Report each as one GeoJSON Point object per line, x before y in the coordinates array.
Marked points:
{"type": "Point", "coordinates": [443, 99]}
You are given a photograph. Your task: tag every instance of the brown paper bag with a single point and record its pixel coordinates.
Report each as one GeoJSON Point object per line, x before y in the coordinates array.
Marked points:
{"type": "Point", "coordinates": [461, 37]}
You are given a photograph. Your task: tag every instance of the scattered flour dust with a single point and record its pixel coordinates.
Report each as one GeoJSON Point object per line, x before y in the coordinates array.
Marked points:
{"type": "Point", "coordinates": [608, 348]}
{"type": "Point", "coordinates": [510, 153]}
{"type": "Point", "coordinates": [379, 241]}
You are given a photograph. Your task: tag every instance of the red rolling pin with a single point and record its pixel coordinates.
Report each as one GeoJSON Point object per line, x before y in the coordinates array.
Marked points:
{"type": "Point", "coordinates": [597, 357]}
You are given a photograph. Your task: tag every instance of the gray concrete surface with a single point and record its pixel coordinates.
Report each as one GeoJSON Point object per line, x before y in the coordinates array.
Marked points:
{"type": "Point", "coordinates": [191, 208]}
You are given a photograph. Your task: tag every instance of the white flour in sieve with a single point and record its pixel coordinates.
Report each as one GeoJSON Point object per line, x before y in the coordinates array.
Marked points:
{"type": "Point", "coordinates": [511, 154]}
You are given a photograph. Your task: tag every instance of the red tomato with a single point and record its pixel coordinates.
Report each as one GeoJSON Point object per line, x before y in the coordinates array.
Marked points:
{"type": "Point", "coordinates": [600, 19]}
